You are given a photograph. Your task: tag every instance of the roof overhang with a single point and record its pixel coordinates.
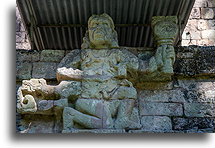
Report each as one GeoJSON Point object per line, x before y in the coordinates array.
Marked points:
{"type": "Point", "coordinates": [61, 24]}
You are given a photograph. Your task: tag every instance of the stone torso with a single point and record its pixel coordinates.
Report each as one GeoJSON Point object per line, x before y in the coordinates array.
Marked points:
{"type": "Point", "coordinates": [98, 63]}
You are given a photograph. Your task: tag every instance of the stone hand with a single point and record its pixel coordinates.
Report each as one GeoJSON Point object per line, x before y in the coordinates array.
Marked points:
{"type": "Point", "coordinates": [165, 57]}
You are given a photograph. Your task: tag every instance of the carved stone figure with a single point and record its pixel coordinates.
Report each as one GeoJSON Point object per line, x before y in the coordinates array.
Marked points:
{"type": "Point", "coordinates": [96, 88]}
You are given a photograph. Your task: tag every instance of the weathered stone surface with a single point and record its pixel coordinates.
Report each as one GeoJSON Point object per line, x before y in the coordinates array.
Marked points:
{"type": "Point", "coordinates": [193, 123]}
{"type": "Point", "coordinates": [23, 70]}
{"type": "Point", "coordinates": [206, 24]}
{"type": "Point", "coordinates": [208, 34]}
{"type": "Point", "coordinates": [27, 56]}
{"type": "Point", "coordinates": [207, 13]}
{"type": "Point", "coordinates": [20, 37]}
{"type": "Point", "coordinates": [195, 13]}
{"type": "Point", "coordinates": [200, 3]}
{"type": "Point", "coordinates": [36, 124]}
{"type": "Point", "coordinates": [210, 3]}
{"type": "Point", "coordinates": [199, 109]}
{"type": "Point", "coordinates": [97, 131]}
{"type": "Point", "coordinates": [160, 109]}
{"type": "Point", "coordinates": [51, 55]}
{"type": "Point", "coordinates": [200, 64]}
{"type": "Point", "coordinates": [198, 91]}
{"type": "Point", "coordinates": [24, 45]}
{"type": "Point", "coordinates": [17, 26]}
{"type": "Point", "coordinates": [205, 42]}
{"type": "Point", "coordinates": [44, 70]}
{"type": "Point", "coordinates": [152, 131]}
{"type": "Point", "coordinates": [188, 42]}
{"type": "Point", "coordinates": [162, 96]}
{"type": "Point", "coordinates": [154, 85]}
{"type": "Point", "coordinates": [152, 123]}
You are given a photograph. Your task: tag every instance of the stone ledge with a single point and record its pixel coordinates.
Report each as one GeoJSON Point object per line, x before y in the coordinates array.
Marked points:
{"type": "Point", "coordinates": [95, 131]}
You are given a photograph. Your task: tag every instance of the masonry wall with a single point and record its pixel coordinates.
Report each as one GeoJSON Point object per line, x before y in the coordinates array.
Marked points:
{"type": "Point", "coordinates": [200, 29]}
{"type": "Point", "coordinates": [186, 104]}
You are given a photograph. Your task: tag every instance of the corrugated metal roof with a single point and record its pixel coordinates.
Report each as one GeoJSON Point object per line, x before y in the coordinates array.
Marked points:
{"type": "Point", "coordinates": [61, 24]}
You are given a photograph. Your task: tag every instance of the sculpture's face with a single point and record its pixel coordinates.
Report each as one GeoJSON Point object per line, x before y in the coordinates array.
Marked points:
{"type": "Point", "coordinates": [100, 32]}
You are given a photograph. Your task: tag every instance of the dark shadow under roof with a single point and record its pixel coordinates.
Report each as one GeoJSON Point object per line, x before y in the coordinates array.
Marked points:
{"type": "Point", "coordinates": [61, 24]}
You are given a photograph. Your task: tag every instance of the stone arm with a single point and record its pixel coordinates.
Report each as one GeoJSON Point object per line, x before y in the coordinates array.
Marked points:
{"type": "Point", "coordinates": [158, 67]}
{"type": "Point", "coordinates": [162, 61]}
{"type": "Point", "coordinates": [127, 64]}
{"type": "Point", "coordinates": [69, 67]}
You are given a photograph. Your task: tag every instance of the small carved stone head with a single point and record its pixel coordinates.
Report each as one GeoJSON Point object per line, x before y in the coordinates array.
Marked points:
{"type": "Point", "coordinates": [101, 33]}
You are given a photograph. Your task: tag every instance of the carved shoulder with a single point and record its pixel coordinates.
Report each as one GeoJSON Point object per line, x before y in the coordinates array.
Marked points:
{"type": "Point", "coordinates": [128, 58]}
{"type": "Point", "coordinates": [71, 60]}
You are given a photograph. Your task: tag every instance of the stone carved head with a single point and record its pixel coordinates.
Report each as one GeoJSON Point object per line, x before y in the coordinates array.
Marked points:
{"type": "Point", "coordinates": [165, 29]}
{"type": "Point", "coordinates": [101, 33]}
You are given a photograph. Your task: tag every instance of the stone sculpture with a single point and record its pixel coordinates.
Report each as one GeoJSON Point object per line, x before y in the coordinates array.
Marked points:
{"type": "Point", "coordinates": [96, 88]}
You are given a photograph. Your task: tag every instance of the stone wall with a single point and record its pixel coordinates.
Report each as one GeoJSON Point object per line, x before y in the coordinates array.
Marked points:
{"type": "Point", "coordinates": [200, 29]}
{"type": "Point", "coordinates": [21, 37]}
{"type": "Point", "coordinates": [186, 104]}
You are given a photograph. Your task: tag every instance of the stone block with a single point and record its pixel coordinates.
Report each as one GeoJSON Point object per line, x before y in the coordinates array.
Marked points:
{"type": "Point", "coordinates": [206, 42]}
{"type": "Point", "coordinates": [207, 13]}
{"type": "Point", "coordinates": [18, 26]}
{"type": "Point", "coordinates": [35, 56]}
{"type": "Point", "coordinates": [152, 123]}
{"type": "Point", "coordinates": [23, 56]}
{"type": "Point", "coordinates": [203, 42]}
{"type": "Point", "coordinates": [160, 109]}
{"type": "Point", "coordinates": [188, 42]}
{"type": "Point", "coordinates": [27, 56]}
{"type": "Point", "coordinates": [161, 96]}
{"type": "Point", "coordinates": [208, 34]}
{"type": "Point", "coordinates": [210, 3]}
{"type": "Point", "coordinates": [23, 70]}
{"type": "Point", "coordinates": [202, 24]}
{"type": "Point", "coordinates": [22, 28]}
{"type": "Point", "coordinates": [51, 55]}
{"type": "Point", "coordinates": [37, 125]}
{"type": "Point", "coordinates": [20, 37]}
{"type": "Point", "coordinates": [193, 123]}
{"type": "Point", "coordinates": [151, 131]}
{"type": "Point", "coordinates": [211, 24]}
{"type": "Point", "coordinates": [195, 35]}
{"type": "Point", "coordinates": [191, 25]}
{"type": "Point", "coordinates": [195, 13]}
{"type": "Point", "coordinates": [200, 3]}
{"type": "Point", "coordinates": [155, 85]}
{"type": "Point", "coordinates": [185, 67]}
{"type": "Point", "coordinates": [199, 109]}
{"type": "Point", "coordinates": [44, 70]}
{"type": "Point", "coordinates": [185, 55]}
{"type": "Point", "coordinates": [24, 45]}
{"type": "Point", "coordinates": [97, 131]}
{"type": "Point", "coordinates": [202, 63]}
{"type": "Point", "coordinates": [206, 25]}
{"type": "Point", "coordinates": [198, 91]}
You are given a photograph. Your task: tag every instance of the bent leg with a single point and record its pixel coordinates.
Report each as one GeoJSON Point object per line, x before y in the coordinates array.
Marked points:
{"type": "Point", "coordinates": [98, 109]}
